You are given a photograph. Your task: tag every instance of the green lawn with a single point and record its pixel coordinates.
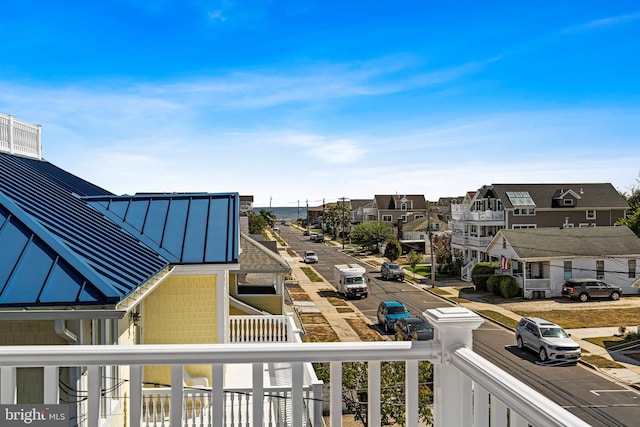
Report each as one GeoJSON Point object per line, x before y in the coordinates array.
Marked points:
{"type": "Point", "coordinates": [572, 319]}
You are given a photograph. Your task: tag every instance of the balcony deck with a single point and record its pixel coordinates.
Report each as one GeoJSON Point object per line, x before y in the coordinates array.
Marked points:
{"type": "Point", "coordinates": [467, 389]}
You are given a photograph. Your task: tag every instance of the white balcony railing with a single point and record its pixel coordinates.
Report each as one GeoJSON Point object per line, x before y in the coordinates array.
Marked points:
{"type": "Point", "coordinates": [468, 215]}
{"type": "Point", "coordinates": [18, 137]}
{"type": "Point", "coordinates": [245, 329]}
{"type": "Point", "coordinates": [467, 389]}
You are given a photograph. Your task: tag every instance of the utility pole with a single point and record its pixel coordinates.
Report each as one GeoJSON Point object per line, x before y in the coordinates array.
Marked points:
{"type": "Point", "coordinates": [433, 267]}
{"type": "Point", "coordinates": [307, 215]}
{"type": "Point", "coordinates": [344, 220]}
{"type": "Point", "coordinates": [298, 218]}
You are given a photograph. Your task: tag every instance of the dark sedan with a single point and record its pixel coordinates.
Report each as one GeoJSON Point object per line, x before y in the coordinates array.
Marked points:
{"type": "Point", "coordinates": [412, 329]}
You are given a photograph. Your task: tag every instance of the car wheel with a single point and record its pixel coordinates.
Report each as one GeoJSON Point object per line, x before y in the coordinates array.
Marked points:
{"type": "Point", "coordinates": [615, 296]}
{"type": "Point", "coordinates": [519, 342]}
{"type": "Point", "coordinates": [543, 355]}
{"type": "Point", "coordinates": [583, 297]}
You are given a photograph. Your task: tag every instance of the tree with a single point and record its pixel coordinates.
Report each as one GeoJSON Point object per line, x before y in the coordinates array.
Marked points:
{"type": "Point", "coordinates": [442, 251]}
{"type": "Point", "coordinates": [632, 219]}
{"type": "Point", "coordinates": [371, 234]}
{"type": "Point", "coordinates": [268, 216]}
{"type": "Point", "coordinates": [392, 390]}
{"type": "Point", "coordinates": [257, 223]}
{"type": "Point", "coordinates": [413, 259]}
{"type": "Point", "coordinates": [393, 250]}
{"type": "Point", "coordinates": [337, 218]}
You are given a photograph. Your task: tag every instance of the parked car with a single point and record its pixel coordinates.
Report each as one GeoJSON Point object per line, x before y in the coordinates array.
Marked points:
{"type": "Point", "coordinates": [319, 238]}
{"type": "Point", "coordinates": [305, 233]}
{"type": "Point", "coordinates": [585, 289]}
{"type": "Point", "coordinates": [549, 340]}
{"type": "Point", "coordinates": [310, 257]}
{"type": "Point", "coordinates": [276, 228]}
{"type": "Point", "coordinates": [313, 237]}
{"type": "Point", "coordinates": [412, 329]}
{"type": "Point", "coordinates": [389, 312]}
{"type": "Point", "coordinates": [391, 270]}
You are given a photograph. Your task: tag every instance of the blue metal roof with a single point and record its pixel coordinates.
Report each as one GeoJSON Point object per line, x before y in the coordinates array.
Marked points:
{"type": "Point", "coordinates": [183, 228]}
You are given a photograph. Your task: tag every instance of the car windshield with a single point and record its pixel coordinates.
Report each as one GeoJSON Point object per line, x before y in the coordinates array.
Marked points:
{"type": "Point", "coordinates": [396, 310]}
{"type": "Point", "coordinates": [553, 333]}
{"type": "Point", "coordinates": [418, 327]}
{"type": "Point", "coordinates": [393, 266]}
{"type": "Point", "coordinates": [310, 253]}
{"type": "Point", "coordinates": [355, 280]}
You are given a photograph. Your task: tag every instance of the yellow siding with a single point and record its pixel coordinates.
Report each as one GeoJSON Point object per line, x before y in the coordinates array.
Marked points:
{"type": "Point", "coordinates": [182, 310]}
{"type": "Point", "coordinates": [269, 303]}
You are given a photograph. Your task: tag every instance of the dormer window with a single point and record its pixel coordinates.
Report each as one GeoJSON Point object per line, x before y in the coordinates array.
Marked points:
{"type": "Point", "coordinates": [567, 202]}
{"type": "Point", "coordinates": [403, 206]}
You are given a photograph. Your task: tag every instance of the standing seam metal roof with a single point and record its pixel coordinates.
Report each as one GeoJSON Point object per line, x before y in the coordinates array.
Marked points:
{"type": "Point", "coordinates": [56, 250]}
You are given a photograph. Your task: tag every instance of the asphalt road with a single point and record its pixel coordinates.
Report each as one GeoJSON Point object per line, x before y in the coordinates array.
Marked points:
{"type": "Point", "coordinates": [587, 394]}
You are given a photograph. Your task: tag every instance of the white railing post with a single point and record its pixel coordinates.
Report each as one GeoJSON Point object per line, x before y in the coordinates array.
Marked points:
{"type": "Point", "coordinates": [453, 330]}
{"type": "Point", "coordinates": [10, 135]}
{"type": "Point", "coordinates": [8, 385]}
{"type": "Point", "coordinates": [335, 393]}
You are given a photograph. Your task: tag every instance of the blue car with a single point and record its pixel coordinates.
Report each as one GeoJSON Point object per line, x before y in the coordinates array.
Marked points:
{"type": "Point", "coordinates": [389, 312]}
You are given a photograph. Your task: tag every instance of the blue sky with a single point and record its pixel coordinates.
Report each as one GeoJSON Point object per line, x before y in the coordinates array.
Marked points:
{"type": "Point", "coordinates": [308, 100]}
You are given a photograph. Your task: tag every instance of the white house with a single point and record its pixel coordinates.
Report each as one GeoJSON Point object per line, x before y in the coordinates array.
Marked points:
{"type": "Point", "coordinates": [541, 259]}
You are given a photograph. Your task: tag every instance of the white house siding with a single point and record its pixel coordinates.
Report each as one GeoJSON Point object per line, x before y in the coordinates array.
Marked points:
{"type": "Point", "coordinates": [616, 273]}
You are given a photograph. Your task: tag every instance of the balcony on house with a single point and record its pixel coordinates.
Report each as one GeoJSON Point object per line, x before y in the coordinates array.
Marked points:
{"type": "Point", "coordinates": [463, 213]}
{"type": "Point", "coordinates": [17, 137]}
{"type": "Point", "coordinates": [467, 389]}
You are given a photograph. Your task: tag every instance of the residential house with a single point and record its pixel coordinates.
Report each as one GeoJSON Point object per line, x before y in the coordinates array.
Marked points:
{"type": "Point", "coordinates": [414, 234]}
{"type": "Point", "coordinates": [390, 209]}
{"type": "Point", "coordinates": [494, 207]}
{"type": "Point", "coordinates": [361, 210]}
{"type": "Point", "coordinates": [542, 259]}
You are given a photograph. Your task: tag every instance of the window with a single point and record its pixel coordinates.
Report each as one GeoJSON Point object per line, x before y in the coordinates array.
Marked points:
{"type": "Point", "coordinates": [522, 226]}
{"type": "Point", "coordinates": [600, 269]}
{"type": "Point", "coordinates": [632, 268]}
{"type": "Point", "coordinates": [591, 214]}
{"type": "Point", "coordinates": [403, 206]}
{"type": "Point", "coordinates": [418, 216]}
{"type": "Point", "coordinates": [568, 270]}
{"type": "Point", "coordinates": [524, 212]}
{"type": "Point", "coordinates": [583, 225]}
{"type": "Point", "coordinates": [404, 218]}
{"type": "Point", "coordinates": [386, 218]}
{"type": "Point", "coordinates": [567, 202]}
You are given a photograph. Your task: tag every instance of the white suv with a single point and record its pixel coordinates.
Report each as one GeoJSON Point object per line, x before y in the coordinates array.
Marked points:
{"type": "Point", "coordinates": [547, 339]}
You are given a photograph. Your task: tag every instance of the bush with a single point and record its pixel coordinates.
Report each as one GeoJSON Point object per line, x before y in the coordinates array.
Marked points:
{"type": "Point", "coordinates": [392, 250]}
{"type": "Point", "coordinates": [508, 287]}
{"type": "Point", "coordinates": [481, 272]}
{"type": "Point", "coordinates": [493, 284]}
{"type": "Point", "coordinates": [502, 285]}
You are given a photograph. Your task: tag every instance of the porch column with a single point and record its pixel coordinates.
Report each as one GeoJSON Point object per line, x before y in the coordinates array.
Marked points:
{"type": "Point", "coordinates": [452, 390]}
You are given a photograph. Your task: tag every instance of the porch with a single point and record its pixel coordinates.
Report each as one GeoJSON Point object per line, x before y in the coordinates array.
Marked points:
{"type": "Point", "coordinates": [467, 389]}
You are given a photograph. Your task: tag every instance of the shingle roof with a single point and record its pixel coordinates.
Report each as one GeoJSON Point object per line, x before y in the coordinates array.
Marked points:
{"type": "Point", "coordinates": [572, 242]}
{"type": "Point", "coordinates": [592, 195]}
{"type": "Point", "coordinates": [256, 258]}
{"type": "Point", "coordinates": [388, 201]}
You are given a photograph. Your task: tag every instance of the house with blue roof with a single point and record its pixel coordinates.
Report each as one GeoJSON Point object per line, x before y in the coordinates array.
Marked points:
{"type": "Point", "coordinates": [80, 265]}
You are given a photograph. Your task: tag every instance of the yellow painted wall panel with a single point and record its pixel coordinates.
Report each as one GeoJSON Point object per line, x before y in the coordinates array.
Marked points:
{"type": "Point", "coordinates": [182, 310]}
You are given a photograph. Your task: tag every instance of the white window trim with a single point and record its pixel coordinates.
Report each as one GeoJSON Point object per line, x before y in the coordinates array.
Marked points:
{"type": "Point", "coordinates": [590, 214]}
{"type": "Point", "coordinates": [387, 218]}
{"type": "Point", "coordinates": [522, 226]}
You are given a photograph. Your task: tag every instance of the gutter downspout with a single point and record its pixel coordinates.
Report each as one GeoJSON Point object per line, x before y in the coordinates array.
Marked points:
{"type": "Point", "coordinates": [61, 329]}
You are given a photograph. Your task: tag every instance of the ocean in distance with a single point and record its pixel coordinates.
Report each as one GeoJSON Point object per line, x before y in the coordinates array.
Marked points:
{"type": "Point", "coordinates": [285, 212]}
